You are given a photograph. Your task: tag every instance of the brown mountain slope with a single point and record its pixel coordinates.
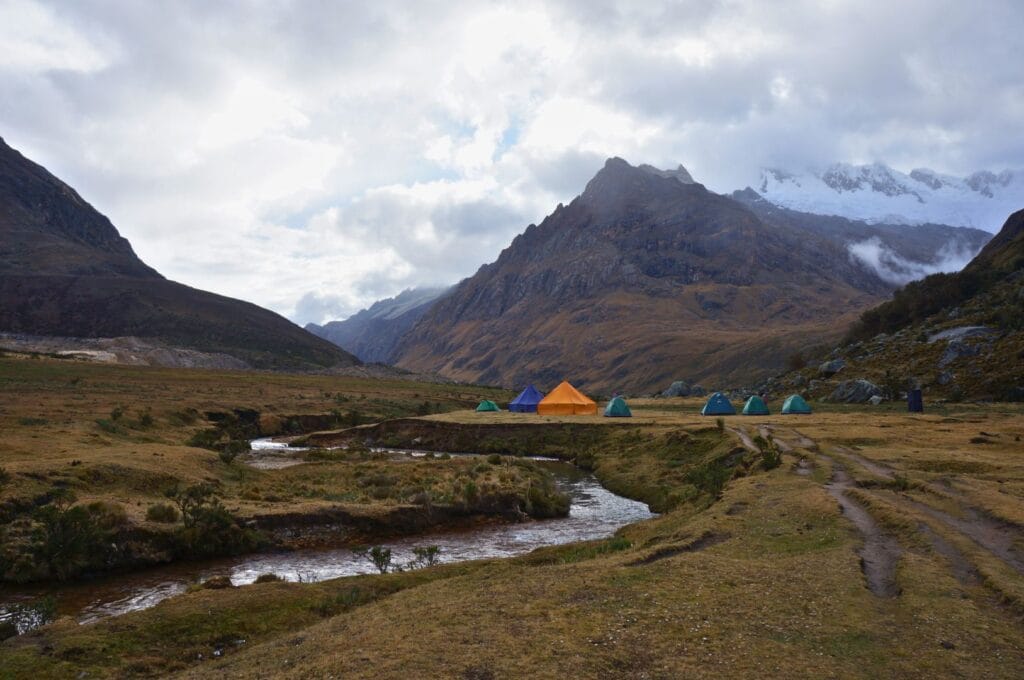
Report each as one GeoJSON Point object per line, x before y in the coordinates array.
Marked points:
{"type": "Point", "coordinates": [956, 336]}
{"type": "Point", "coordinates": [642, 279]}
{"type": "Point", "coordinates": [66, 271]}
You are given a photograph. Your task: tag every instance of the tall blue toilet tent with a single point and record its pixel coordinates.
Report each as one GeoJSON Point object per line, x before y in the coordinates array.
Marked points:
{"type": "Point", "coordinates": [527, 401]}
{"type": "Point", "coordinates": [718, 405]}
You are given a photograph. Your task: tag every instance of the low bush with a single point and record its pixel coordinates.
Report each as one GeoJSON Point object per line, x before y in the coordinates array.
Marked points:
{"type": "Point", "coordinates": [164, 513]}
{"type": "Point", "coordinates": [378, 555]}
{"type": "Point", "coordinates": [32, 422]}
{"type": "Point", "coordinates": [109, 426]}
{"type": "Point", "coordinates": [268, 578]}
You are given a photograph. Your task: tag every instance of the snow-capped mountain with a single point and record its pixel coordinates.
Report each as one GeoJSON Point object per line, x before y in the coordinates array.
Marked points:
{"type": "Point", "coordinates": [878, 193]}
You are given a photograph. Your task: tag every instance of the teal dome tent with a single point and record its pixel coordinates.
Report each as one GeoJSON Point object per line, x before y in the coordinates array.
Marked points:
{"type": "Point", "coordinates": [617, 408]}
{"type": "Point", "coordinates": [755, 406]}
{"type": "Point", "coordinates": [795, 405]}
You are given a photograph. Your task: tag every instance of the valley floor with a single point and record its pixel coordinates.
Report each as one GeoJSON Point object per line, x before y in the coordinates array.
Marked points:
{"type": "Point", "coordinates": [884, 545]}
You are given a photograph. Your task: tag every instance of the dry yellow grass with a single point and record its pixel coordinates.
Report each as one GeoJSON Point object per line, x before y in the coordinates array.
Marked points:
{"type": "Point", "coordinates": [765, 582]}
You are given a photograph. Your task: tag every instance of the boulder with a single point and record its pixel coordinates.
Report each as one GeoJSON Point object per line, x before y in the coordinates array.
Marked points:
{"type": "Point", "coordinates": [677, 389]}
{"type": "Point", "coordinates": [944, 378]}
{"type": "Point", "coordinates": [961, 333]}
{"type": "Point", "coordinates": [956, 349]}
{"type": "Point", "coordinates": [698, 391]}
{"type": "Point", "coordinates": [876, 400]}
{"type": "Point", "coordinates": [830, 368]}
{"type": "Point", "coordinates": [798, 380]}
{"type": "Point", "coordinates": [854, 392]}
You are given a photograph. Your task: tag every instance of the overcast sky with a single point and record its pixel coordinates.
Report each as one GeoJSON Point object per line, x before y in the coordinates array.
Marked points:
{"type": "Point", "coordinates": [313, 157]}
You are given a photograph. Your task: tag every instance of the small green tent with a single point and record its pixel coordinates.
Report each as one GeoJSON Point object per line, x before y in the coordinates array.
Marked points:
{"type": "Point", "coordinates": [795, 405]}
{"type": "Point", "coordinates": [487, 405]}
{"type": "Point", "coordinates": [755, 406]}
{"type": "Point", "coordinates": [718, 405]}
{"type": "Point", "coordinates": [617, 408]}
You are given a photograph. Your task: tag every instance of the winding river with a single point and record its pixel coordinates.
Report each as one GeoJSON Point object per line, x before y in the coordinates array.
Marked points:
{"type": "Point", "coordinates": [595, 513]}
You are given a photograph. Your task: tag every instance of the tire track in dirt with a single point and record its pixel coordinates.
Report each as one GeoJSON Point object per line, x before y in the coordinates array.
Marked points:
{"type": "Point", "coordinates": [994, 535]}
{"type": "Point", "coordinates": [877, 469]}
{"type": "Point", "coordinates": [748, 443]}
{"type": "Point", "coordinates": [962, 569]}
{"type": "Point", "coordinates": [768, 432]}
{"type": "Point", "coordinates": [881, 552]}
{"type": "Point", "coordinates": [998, 537]}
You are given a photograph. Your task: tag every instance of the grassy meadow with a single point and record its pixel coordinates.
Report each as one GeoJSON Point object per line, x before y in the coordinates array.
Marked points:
{"type": "Point", "coordinates": [751, 569]}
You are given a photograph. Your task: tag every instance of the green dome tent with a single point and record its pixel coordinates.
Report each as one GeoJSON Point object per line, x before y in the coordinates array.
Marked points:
{"type": "Point", "coordinates": [795, 405]}
{"type": "Point", "coordinates": [487, 405]}
{"type": "Point", "coordinates": [617, 408]}
{"type": "Point", "coordinates": [755, 406]}
{"type": "Point", "coordinates": [718, 405]}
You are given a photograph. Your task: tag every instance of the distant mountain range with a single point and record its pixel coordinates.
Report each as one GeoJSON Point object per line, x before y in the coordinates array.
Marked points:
{"type": "Point", "coordinates": [647, 276]}
{"type": "Point", "coordinates": [66, 271]}
{"type": "Point", "coordinates": [878, 193]}
{"type": "Point", "coordinates": [373, 333]}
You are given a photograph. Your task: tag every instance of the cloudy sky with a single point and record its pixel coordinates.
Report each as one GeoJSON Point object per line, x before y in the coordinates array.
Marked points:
{"type": "Point", "coordinates": [315, 156]}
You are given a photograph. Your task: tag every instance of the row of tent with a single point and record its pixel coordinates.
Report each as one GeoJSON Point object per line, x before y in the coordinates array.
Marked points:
{"type": "Point", "coordinates": [566, 400]}
{"type": "Point", "coordinates": [719, 405]}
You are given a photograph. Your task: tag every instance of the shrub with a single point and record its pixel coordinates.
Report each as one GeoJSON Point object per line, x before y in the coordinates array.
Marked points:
{"type": "Point", "coordinates": [901, 483]}
{"type": "Point", "coordinates": [205, 439]}
{"type": "Point", "coordinates": [268, 578]}
{"type": "Point", "coordinates": [709, 478]}
{"type": "Point", "coordinates": [378, 555]}
{"type": "Point", "coordinates": [117, 413]}
{"type": "Point", "coordinates": [5, 476]}
{"type": "Point", "coordinates": [494, 459]}
{"type": "Point", "coordinates": [164, 513]}
{"type": "Point", "coordinates": [192, 500]}
{"type": "Point", "coordinates": [108, 515]}
{"type": "Point", "coordinates": [69, 539]}
{"type": "Point", "coordinates": [109, 426]}
{"type": "Point", "coordinates": [186, 416]}
{"type": "Point", "coordinates": [771, 456]}
{"type": "Point", "coordinates": [214, 531]}
{"type": "Point", "coordinates": [720, 424]}
{"type": "Point", "coordinates": [146, 419]}
{"type": "Point", "coordinates": [31, 422]}
{"type": "Point", "coordinates": [227, 456]}
{"type": "Point", "coordinates": [425, 556]}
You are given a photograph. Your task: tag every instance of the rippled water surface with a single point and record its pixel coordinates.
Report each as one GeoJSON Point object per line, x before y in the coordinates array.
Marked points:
{"type": "Point", "coordinates": [595, 513]}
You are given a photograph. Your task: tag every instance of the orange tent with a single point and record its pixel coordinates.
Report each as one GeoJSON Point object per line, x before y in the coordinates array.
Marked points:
{"type": "Point", "coordinates": [566, 400]}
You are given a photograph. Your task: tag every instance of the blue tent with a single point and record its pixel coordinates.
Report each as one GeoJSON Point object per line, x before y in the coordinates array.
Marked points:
{"type": "Point", "coordinates": [718, 405]}
{"type": "Point", "coordinates": [527, 401]}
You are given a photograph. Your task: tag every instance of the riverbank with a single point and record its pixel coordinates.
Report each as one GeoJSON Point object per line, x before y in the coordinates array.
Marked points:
{"type": "Point", "coordinates": [752, 570]}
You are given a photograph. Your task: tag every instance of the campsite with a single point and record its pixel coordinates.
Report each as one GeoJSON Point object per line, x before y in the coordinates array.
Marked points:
{"type": "Point", "coordinates": [511, 340]}
{"type": "Point", "coordinates": [746, 522]}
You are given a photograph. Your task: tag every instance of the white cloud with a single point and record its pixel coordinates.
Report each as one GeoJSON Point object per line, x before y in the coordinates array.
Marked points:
{"type": "Point", "coordinates": [312, 158]}
{"type": "Point", "coordinates": [35, 39]}
{"type": "Point", "coordinates": [897, 270]}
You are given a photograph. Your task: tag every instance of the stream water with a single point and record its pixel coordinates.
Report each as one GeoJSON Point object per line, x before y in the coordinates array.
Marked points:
{"type": "Point", "coordinates": [595, 513]}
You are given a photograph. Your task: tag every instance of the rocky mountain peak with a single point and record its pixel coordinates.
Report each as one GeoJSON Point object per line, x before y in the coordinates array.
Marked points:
{"type": "Point", "coordinates": [619, 185]}
{"type": "Point", "coordinates": [680, 173]}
